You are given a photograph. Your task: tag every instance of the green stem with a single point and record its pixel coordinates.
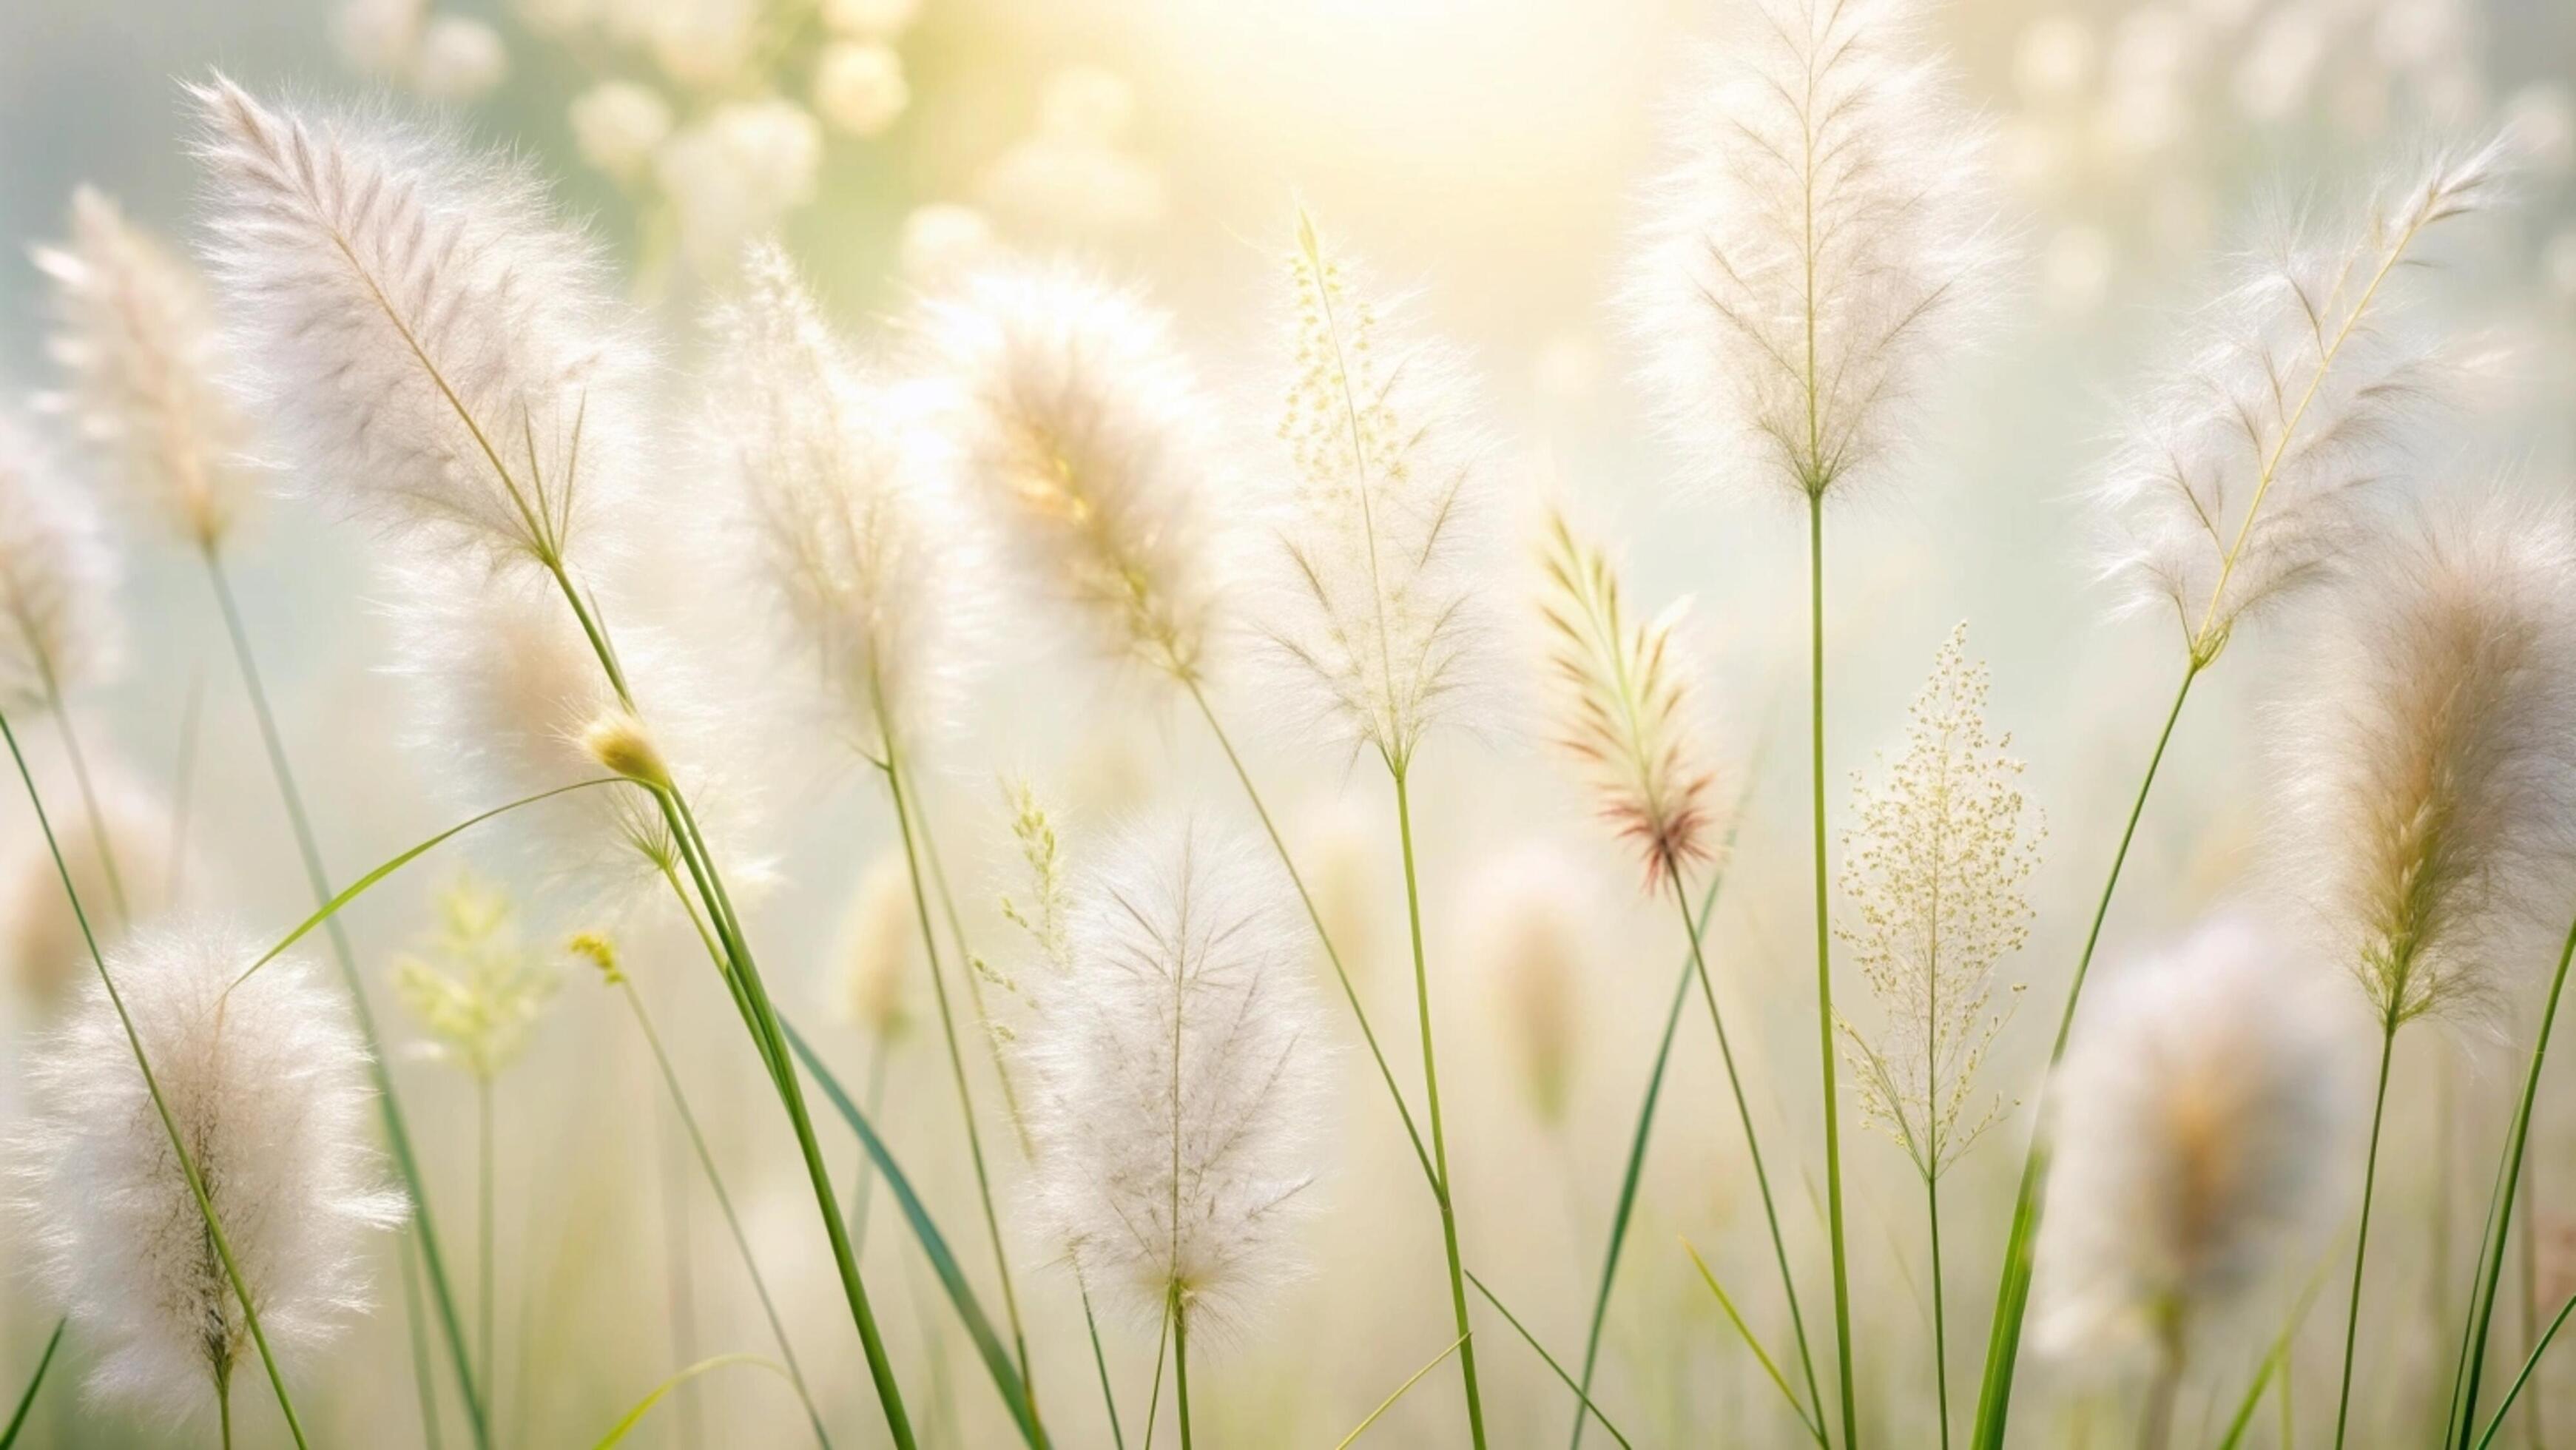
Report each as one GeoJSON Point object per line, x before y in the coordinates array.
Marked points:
{"type": "Point", "coordinates": [423, 1376]}
{"type": "Point", "coordinates": [1824, 962]}
{"type": "Point", "coordinates": [1154, 1397]}
{"type": "Point", "coordinates": [894, 776]}
{"type": "Point", "coordinates": [1431, 1099]}
{"type": "Point", "coordinates": [724, 1203]}
{"type": "Point", "coordinates": [866, 1189]}
{"type": "Point", "coordinates": [35, 1382]}
{"type": "Point", "coordinates": [2012, 1288]}
{"type": "Point", "coordinates": [388, 1106]}
{"type": "Point", "coordinates": [2361, 1244]}
{"type": "Point", "coordinates": [680, 1275]}
{"type": "Point", "coordinates": [2491, 1263]}
{"type": "Point", "coordinates": [1940, 1315]}
{"type": "Point", "coordinates": [1181, 1363]}
{"type": "Point", "coordinates": [152, 1086]}
{"type": "Point", "coordinates": [1099, 1361]}
{"type": "Point", "coordinates": [224, 1408]}
{"type": "Point", "coordinates": [2529, 1364]}
{"type": "Point", "coordinates": [483, 1196]}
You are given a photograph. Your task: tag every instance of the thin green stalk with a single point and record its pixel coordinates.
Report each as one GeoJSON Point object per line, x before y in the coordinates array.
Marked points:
{"type": "Point", "coordinates": [1753, 1150]}
{"type": "Point", "coordinates": [2012, 1288]}
{"type": "Point", "coordinates": [35, 1382]}
{"type": "Point", "coordinates": [2155, 1427]}
{"type": "Point", "coordinates": [1550, 1360]}
{"type": "Point", "coordinates": [1400, 1391]}
{"type": "Point", "coordinates": [2361, 1243]}
{"type": "Point", "coordinates": [1100, 1361]}
{"type": "Point", "coordinates": [894, 777]}
{"type": "Point", "coordinates": [1431, 1099]}
{"type": "Point", "coordinates": [2491, 1264]}
{"type": "Point", "coordinates": [388, 1106]}
{"type": "Point", "coordinates": [1940, 1316]}
{"type": "Point", "coordinates": [1341, 973]}
{"type": "Point", "coordinates": [724, 1201]}
{"type": "Point", "coordinates": [2529, 1263]}
{"type": "Point", "coordinates": [1744, 1331]}
{"type": "Point", "coordinates": [224, 1408]}
{"type": "Point", "coordinates": [423, 1376]}
{"type": "Point", "coordinates": [1181, 1363]}
{"type": "Point", "coordinates": [1154, 1397]}
{"type": "Point", "coordinates": [160, 1106]}
{"type": "Point", "coordinates": [483, 1196]}
{"type": "Point", "coordinates": [2529, 1364]}
{"type": "Point", "coordinates": [1824, 959]}
{"type": "Point", "coordinates": [100, 840]}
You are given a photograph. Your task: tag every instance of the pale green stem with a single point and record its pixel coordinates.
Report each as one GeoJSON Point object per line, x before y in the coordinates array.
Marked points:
{"type": "Point", "coordinates": [1940, 1316]}
{"type": "Point", "coordinates": [1181, 1363]}
{"type": "Point", "coordinates": [1824, 961]}
{"type": "Point", "coordinates": [423, 1377]}
{"type": "Point", "coordinates": [2361, 1243]}
{"type": "Point", "coordinates": [483, 1255]}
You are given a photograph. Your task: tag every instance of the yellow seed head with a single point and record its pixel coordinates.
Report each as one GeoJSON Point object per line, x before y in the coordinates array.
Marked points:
{"type": "Point", "coordinates": [619, 741]}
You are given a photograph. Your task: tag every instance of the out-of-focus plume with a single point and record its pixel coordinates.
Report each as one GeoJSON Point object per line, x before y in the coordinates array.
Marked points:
{"type": "Point", "coordinates": [57, 580]}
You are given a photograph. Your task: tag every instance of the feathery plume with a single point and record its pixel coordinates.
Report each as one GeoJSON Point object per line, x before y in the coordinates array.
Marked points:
{"type": "Point", "coordinates": [1079, 425]}
{"type": "Point", "coordinates": [2430, 765]}
{"type": "Point", "coordinates": [41, 946]}
{"type": "Point", "coordinates": [475, 988]}
{"type": "Point", "coordinates": [839, 486]}
{"type": "Point", "coordinates": [1937, 865]}
{"type": "Point", "coordinates": [1378, 629]}
{"type": "Point", "coordinates": [267, 1084]}
{"type": "Point", "coordinates": [1531, 925]}
{"type": "Point", "coordinates": [1178, 1072]}
{"type": "Point", "coordinates": [1818, 249]}
{"type": "Point", "coordinates": [57, 579]}
{"type": "Point", "coordinates": [1623, 697]}
{"type": "Point", "coordinates": [439, 351]}
{"type": "Point", "coordinates": [508, 700]}
{"type": "Point", "coordinates": [2251, 468]}
{"type": "Point", "coordinates": [878, 948]}
{"type": "Point", "coordinates": [2195, 1122]}
{"type": "Point", "coordinates": [135, 335]}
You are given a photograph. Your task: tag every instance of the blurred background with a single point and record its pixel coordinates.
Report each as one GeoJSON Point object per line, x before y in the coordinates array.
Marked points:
{"type": "Point", "coordinates": [1486, 155]}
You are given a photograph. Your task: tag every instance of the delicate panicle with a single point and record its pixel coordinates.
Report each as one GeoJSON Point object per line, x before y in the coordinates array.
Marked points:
{"type": "Point", "coordinates": [2252, 466]}
{"type": "Point", "coordinates": [41, 946]}
{"type": "Point", "coordinates": [1378, 625]}
{"type": "Point", "coordinates": [508, 699]}
{"type": "Point", "coordinates": [57, 579]}
{"type": "Point", "coordinates": [1178, 1073]}
{"type": "Point", "coordinates": [1623, 694]}
{"type": "Point", "coordinates": [2429, 765]}
{"type": "Point", "coordinates": [1938, 865]}
{"type": "Point", "coordinates": [1079, 426]}
{"type": "Point", "coordinates": [476, 988]}
{"type": "Point", "coordinates": [135, 335]}
{"type": "Point", "coordinates": [267, 1086]}
{"type": "Point", "coordinates": [840, 483]}
{"type": "Point", "coordinates": [441, 353]}
{"type": "Point", "coordinates": [2196, 1124]}
{"type": "Point", "coordinates": [1823, 242]}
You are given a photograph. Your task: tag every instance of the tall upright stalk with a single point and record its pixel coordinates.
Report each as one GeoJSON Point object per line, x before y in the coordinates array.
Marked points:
{"type": "Point", "coordinates": [1824, 957]}
{"type": "Point", "coordinates": [483, 1296]}
{"type": "Point", "coordinates": [1181, 1363]}
{"type": "Point", "coordinates": [161, 1107]}
{"type": "Point", "coordinates": [388, 1106]}
{"type": "Point", "coordinates": [2361, 1241]}
{"type": "Point", "coordinates": [1431, 1099]}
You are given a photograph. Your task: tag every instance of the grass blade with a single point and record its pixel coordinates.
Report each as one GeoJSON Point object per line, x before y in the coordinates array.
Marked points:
{"type": "Point", "coordinates": [961, 1295]}
{"type": "Point", "coordinates": [27, 1401]}
{"type": "Point", "coordinates": [2274, 1362]}
{"type": "Point", "coordinates": [619, 1430]}
{"type": "Point", "coordinates": [1541, 1351]}
{"type": "Point", "coordinates": [2514, 1391]}
{"type": "Point", "coordinates": [1769, 1367]}
{"type": "Point", "coordinates": [1389, 1402]}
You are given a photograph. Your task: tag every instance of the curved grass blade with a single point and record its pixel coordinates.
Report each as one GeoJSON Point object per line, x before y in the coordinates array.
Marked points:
{"type": "Point", "coordinates": [1541, 1351]}
{"type": "Point", "coordinates": [2514, 1391]}
{"type": "Point", "coordinates": [619, 1430]}
{"type": "Point", "coordinates": [1389, 1402]}
{"type": "Point", "coordinates": [2274, 1362]}
{"type": "Point", "coordinates": [54, 1342]}
{"type": "Point", "coordinates": [997, 1358]}
{"type": "Point", "coordinates": [360, 886]}
{"type": "Point", "coordinates": [1770, 1368]}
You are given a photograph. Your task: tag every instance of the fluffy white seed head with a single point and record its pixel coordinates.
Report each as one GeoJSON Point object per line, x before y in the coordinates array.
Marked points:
{"type": "Point", "coordinates": [508, 699]}
{"type": "Point", "coordinates": [1823, 243]}
{"type": "Point", "coordinates": [1177, 1074]}
{"type": "Point", "coordinates": [2251, 467]}
{"type": "Point", "coordinates": [2197, 1127]}
{"type": "Point", "coordinates": [2428, 762]}
{"type": "Point", "coordinates": [440, 353]}
{"type": "Point", "coordinates": [41, 947]}
{"type": "Point", "coordinates": [268, 1088]}
{"type": "Point", "coordinates": [58, 628]}
{"type": "Point", "coordinates": [1378, 629]}
{"type": "Point", "coordinates": [1079, 427]}
{"type": "Point", "coordinates": [854, 538]}
{"type": "Point", "coordinates": [143, 365]}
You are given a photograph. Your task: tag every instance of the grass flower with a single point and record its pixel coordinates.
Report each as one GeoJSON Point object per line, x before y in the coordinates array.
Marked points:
{"type": "Point", "coordinates": [136, 336]}
{"type": "Point", "coordinates": [844, 502]}
{"type": "Point", "coordinates": [266, 1084]}
{"type": "Point", "coordinates": [1079, 426]}
{"type": "Point", "coordinates": [2196, 1120]}
{"type": "Point", "coordinates": [2286, 407]}
{"type": "Point", "coordinates": [439, 352]}
{"type": "Point", "coordinates": [475, 989]}
{"type": "Point", "coordinates": [57, 580]}
{"type": "Point", "coordinates": [1179, 1077]}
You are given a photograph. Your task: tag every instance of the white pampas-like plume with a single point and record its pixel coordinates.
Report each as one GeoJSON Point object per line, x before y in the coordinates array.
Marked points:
{"type": "Point", "coordinates": [135, 334]}
{"type": "Point", "coordinates": [1079, 426]}
{"type": "Point", "coordinates": [57, 579]}
{"type": "Point", "coordinates": [2196, 1122]}
{"type": "Point", "coordinates": [267, 1085]}
{"type": "Point", "coordinates": [1178, 1074]}
{"type": "Point", "coordinates": [1378, 626]}
{"type": "Point", "coordinates": [41, 946]}
{"type": "Point", "coordinates": [508, 699]}
{"type": "Point", "coordinates": [440, 352]}
{"type": "Point", "coordinates": [2251, 468]}
{"type": "Point", "coordinates": [2429, 765]}
{"type": "Point", "coordinates": [1624, 707]}
{"type": "Point", "coordinates": [851, 523]}
{"type": "Point", "coordinates": [1820, 247]}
